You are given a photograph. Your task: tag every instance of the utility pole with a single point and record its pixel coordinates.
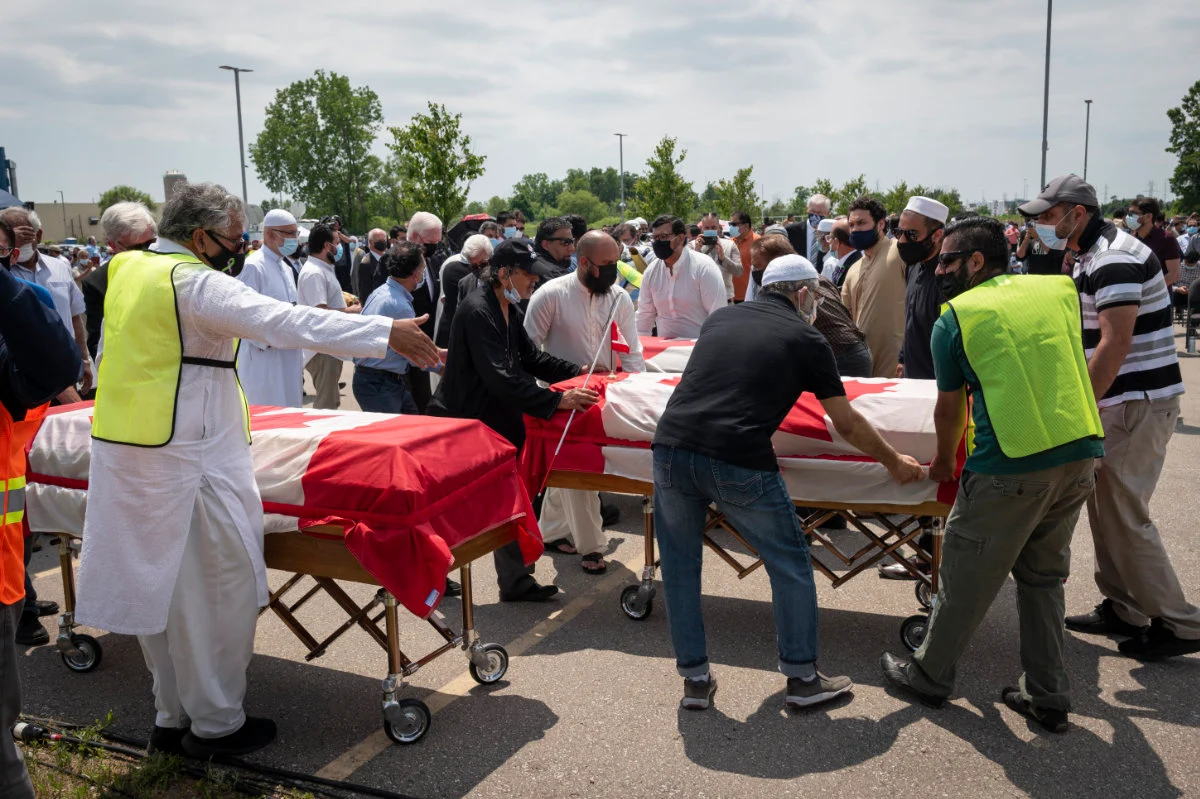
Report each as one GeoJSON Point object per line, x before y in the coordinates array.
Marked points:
{"type": "Point", "coordinates": [1046, 92]}
{"type": "Point", "coordinates": [1087, 130]}
{"type": "Point", "coordinates": [62, 197]}
{"type": "Point", "coordinates": [621, 146]}
{"type": "Point", "coordinates": [237, 87]}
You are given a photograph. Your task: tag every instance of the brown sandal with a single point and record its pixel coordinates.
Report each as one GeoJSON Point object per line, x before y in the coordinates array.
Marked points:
{"type": "Point", "coordinates": [593, 563]}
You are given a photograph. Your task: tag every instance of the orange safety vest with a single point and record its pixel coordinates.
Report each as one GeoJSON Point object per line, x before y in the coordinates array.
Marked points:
{"type": "Point", "coordinates": [14, 436]}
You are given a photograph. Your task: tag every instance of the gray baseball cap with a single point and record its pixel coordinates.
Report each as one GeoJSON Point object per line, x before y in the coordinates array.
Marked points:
{"type": "Point", "coordinates": [1063, 189]}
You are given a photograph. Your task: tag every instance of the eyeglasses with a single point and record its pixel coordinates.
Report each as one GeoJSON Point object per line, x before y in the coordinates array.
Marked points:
{"type": "Point", "coordinates": [947, 258]}
{"type": "Point", "coordinates": [5, 251]}
{"type": "Point", "coordinates": [568, 242]}
{"type": "Point", "coordinates": [667, 237]}
{"type": "Point", "coordinates": [142, 245]}
{"type": "Point", "coordinates": [239, 245]}
{"type": "Point", "coordinates": [911, 235]}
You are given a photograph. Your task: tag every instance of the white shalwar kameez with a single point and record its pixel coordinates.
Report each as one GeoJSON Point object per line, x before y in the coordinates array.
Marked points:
{"type": "Point", "coordinates": [270, 375]}
{"type": "Point", "coordinates": [566, 320]}
{"type": "Point", "coordinates": [173, 541]}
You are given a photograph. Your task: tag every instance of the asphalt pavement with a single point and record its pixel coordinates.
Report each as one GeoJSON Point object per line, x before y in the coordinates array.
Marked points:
{"type": "Point", "coordinates": [590, 704]}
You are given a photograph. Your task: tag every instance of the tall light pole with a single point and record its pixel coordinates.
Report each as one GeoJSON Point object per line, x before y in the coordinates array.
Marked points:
{"type": "Point", "coordinates": [621, 146]}
{"type": "Point", "coordinates": [1087, 130]}
{"type": "Point", "coordinates": [62, 197]}
{"type": "Point", "coordinates": [1025, 190]}
{"type": "Point", "coordinates": [237, 87]}
{"type": "Point", "coordinates": [1046, 93]}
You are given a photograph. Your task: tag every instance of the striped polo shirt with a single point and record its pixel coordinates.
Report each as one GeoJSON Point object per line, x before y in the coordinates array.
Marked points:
{"type": "Point", "coordinates": [1115, 270]}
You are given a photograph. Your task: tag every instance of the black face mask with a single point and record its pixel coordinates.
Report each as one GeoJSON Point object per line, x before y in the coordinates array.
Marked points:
{"type": "Point", "coordinates": [756, 275]}
{"type": "Point", "coordinates": [4, 261]}
{"type": "Point", "coordinates": [379, 246]}
{"type": "Point", "coordinates": [663, 249]}
{"type": "Point", "coordinates": [915, 252]}
{"type": "Point", "coordinates": [954, 283]}
{"type": "Point", "coordinates": [226, 260]}
{"type": "Point", "coordinates": [600, 284]}
{"type": "Point", "coordinates": [430, 249]}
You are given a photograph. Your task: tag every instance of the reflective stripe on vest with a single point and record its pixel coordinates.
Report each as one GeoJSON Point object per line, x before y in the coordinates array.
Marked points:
{"type": "Point", "coordinates": [12, 500]}
{"type": "Point", "coordinates": [1022, 335]}
{"type": "Point", "coordinates": [143, 350]}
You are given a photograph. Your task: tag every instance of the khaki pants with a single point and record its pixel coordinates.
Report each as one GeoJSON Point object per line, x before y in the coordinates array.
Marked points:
{"type": "Point", "coordinates": [1132, 566]}
{"type": "Point", "coordinates": [326, 371]}
{"type": "Point", "coordinates": [1020, 523]}
{"type": "Point", "coordinates": [574, 515]}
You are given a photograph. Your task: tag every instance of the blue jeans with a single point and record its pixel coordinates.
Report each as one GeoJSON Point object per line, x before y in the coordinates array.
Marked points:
{"type": "Point", "coordinates": [378, 391]}
{"type": "Point", "coordinates": [758, 505]}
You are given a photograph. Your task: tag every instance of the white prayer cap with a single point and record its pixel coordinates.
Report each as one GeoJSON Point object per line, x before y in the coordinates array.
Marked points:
{"type": "Point", "coordinates": [825, 226]}
{"type": "Point", "coordinates": [278, 218]}
{"type": "Point", "coordinates": [302, 234]}
{"type": "Point", "coordinates": [928, 207]}
{"type": "Point", "coordinates": [788, 269]}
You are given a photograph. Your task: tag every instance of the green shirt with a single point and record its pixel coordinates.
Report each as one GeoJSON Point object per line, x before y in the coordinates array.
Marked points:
{"type": "Point", "coordinates": [953, 372]}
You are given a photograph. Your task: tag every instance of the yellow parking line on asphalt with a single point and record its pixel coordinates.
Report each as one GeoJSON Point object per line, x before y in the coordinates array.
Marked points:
{"type": "Point", "coordinates": [46, 573]}
{"type": "Point", "coordinates": [358, 755]}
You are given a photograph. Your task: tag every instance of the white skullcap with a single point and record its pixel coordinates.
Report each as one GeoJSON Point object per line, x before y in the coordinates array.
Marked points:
{"type": "Point", "coordinates": [928, 207]}
{"type": "Point", "coordinates": [302, 235]}
{"type": "Point", "coordinates": [277, 217]}
{"type": "Point", "coordinates": [825, 226]}
{"type": "Point", "coordinates": [788, 269]}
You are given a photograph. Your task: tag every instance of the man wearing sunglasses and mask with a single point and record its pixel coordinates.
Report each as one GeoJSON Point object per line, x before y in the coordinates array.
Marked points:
{"type": "Point", "coordinates": [1130, 343]}
{"type": "Point", "coordinates": [571, 317]}
{"type": "Point", "coordinates": [1014, 343]}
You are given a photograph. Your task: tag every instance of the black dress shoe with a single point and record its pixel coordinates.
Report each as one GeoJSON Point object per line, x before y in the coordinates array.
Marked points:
{"type": "Point", "coordinates": [453, 588]}
{"type": "Point", "coordinates": [30, 632]}
{"type": "Point", "coordinates": [255, 734]}
{"type": "Point", "coordinates": [1049, 719]}
{"type": "Point", "coordinates": [167, 741]}
{"type": "Point", "coordinates": [1102, 620]}
{"type": "Point", "coordinates": [896, 671]}
{"type": "Point", "coordinates": [894, 571]}
{"type": "Point", "coordinates": [534, 593]}
{"type": "Point", "coordinates": [46, 607]}
{"type": "Point", "coordinates": [609, 514]}
{"type": "Point", "coordinates": [1156, 641]}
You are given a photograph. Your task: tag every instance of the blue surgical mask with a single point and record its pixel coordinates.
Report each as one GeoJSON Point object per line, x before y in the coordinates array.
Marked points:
{"type": "Point", "coordinates": [1193, 230]}
{"type": "Point", "coordinates": [289, 246]}
{"type": "Point", "coordinates": [734, 231]}
{"type": "Point", "coordinates": [512, 296]}
{"type": "Point", "coordinates": [1049, 237]}
{"type": "Point", "coordinates": [510, 232]}
{"type": "Point", "coordinates": [338, 255]}
{"type": "Point", "coordinates": [574, 262]}
{"type": "Point", "coordinates": [1131, 221]}
{"type": "Point", "coordinates": [710, 237]}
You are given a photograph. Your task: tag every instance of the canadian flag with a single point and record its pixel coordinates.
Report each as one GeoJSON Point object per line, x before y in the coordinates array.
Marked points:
{"type": "Point", "coordinates": [617, 344]}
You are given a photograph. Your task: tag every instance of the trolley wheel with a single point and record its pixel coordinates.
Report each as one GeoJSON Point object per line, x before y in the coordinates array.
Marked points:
{"type": "Point", "coordinates": [924, 594]}
{"type": "Point", "coordinates": [497, 665]}
{"type": "Point", "coordinates": [407, 721]}
{"type": "Point", "coordinates": [89, 657]}
{"type": "Point", "coordinates": [912, 631]}
{"type": "Point", "coordinates": [634, 609]}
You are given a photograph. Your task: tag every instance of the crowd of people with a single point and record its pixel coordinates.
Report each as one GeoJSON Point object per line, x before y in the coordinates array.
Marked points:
{"type": "Point", "coordinates": [189, 315]}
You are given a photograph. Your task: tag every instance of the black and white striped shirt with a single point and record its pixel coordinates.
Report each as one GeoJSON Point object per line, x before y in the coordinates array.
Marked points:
{"type": "Point", "coordinates": [1117, 270]}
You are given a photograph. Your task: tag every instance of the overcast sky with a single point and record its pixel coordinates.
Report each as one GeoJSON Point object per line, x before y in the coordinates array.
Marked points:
{"type": "Point", "coordinates": [940, 93]}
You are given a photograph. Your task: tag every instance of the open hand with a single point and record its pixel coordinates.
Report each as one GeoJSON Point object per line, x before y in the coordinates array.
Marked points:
{"type": "Point", "coordinates": [578, 399]}
{"type": "Point", "coordinates": [409, 340]}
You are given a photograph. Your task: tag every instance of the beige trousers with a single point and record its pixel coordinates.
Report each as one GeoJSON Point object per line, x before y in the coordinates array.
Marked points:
{"type": "Point", "coordinates": [1132, 565]}
{"type": "Point", "coordinates": [326, 371]}
{"type": "Point", "coordinates": [575, 515]}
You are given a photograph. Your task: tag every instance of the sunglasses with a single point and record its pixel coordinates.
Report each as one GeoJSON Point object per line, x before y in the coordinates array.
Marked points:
{"type": "Point", "coordinates": [947, 258]}
{"type": "Point", "coordinates": [236, 246]}
{"type": "Point", "coordinates": [911, 235]}
{"type": "Point", "coordinates": [562, 241]}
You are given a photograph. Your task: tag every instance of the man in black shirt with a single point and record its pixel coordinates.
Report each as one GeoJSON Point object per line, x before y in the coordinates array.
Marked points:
{"type": "Point", "coordinates": [491, 375]}
{"type": "Point", "coordinates": [713, 444]}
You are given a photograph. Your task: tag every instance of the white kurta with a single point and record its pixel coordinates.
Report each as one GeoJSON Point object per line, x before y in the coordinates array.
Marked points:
{"type": "Point", "coordinates": [143, 502]}
{"type": "Point", "coordinates": [569, 322]}
{"type": "Point", "coordinates": [680, 298]}
{"type": "Point", "coordinates": [269, 375]}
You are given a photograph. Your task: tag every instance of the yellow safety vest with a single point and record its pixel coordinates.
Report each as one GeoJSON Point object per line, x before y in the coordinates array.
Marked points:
{"type": "Point", "coordinates": [143, 350]}
{"type": "Point", "coordinates": [631, 275]}
{"type": "Point", "coordinates": [1022, 335]}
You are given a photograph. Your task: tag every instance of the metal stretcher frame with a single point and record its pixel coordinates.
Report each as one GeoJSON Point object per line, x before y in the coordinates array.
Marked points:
{"type": "Point", "coordinates": [325, 558]}
{"type": "Point", "coordinates": [637, 600]}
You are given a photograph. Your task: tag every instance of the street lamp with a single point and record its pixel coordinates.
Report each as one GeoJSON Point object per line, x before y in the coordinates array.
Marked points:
{"type": "Point", "coordinates": [237, 87]}
{"type": "Point", "coordinates": [1046, 92]}
{"type": "Point", "coordinates": [62, 197]}
{"type": "Point", "coordinates": [621, 145]}
{"type": "Point", "coordinates": [1087, 130]}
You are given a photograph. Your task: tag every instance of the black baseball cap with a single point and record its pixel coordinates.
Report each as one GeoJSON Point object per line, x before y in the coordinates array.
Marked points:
{"type": "Point", "coordinates": [518, 253]}
{"type": "Point", "coordinates": [1063, 189]}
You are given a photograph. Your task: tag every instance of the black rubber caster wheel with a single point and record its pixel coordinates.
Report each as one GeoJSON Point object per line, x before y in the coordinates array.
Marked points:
{"type": "Point", "coordinates": [497, 665]}
{"type": "Point", "coordinates": [633, 608]}
{"type": "Point", "coordinates": [924, 592]}
{"type": "Point", "coordinates": [89, 657]}
{"type": "Point", "coordinates": [407, 721]}
{"type": "Point", "coordinates": [912, 631]}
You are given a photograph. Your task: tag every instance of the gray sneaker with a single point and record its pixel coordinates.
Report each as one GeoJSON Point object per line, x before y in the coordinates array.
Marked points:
{"type": "Point", "coordinates": [698, 694]}
{"type": "Point", "coordinates": [801, 694]}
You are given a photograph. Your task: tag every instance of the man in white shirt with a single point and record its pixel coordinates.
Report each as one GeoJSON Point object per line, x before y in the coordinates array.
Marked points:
{"type": "Point", "coordinates": [571, 317]}
{"type": "Point", "coordinates": [723, 251]}
{"type": "Point", "coordinates": [272, 376]}
{"type": "Point", "coordinates": [54, 275]}
{"type": "Point", "coordinates": [318, 286]}
{"type": "Point", "coordinates": [681, 286]}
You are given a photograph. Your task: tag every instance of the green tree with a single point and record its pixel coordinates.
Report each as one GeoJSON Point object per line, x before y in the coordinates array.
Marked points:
{"type": "Point", "coordinates": [582, 202]}
{"type": "Point", "coordinates": [1185, 143]}
{"type": "Point", "coordinates": [436, 162]}
{"type": "Point", "coordinates": [604, 183]}
{"type": "Point", "coordinates": [535, 194]}
{"type": "Point", "coordinates": [495, 205]}
{"type": "Point", "coordinates": [662, 190]}
{"type": "Point", "coordinates": [473, 207]}
{"type": "Point", "coordinates": [738, 194]}
{"type": "Point", "coordinates": [122, 194]}
{"type": "Point", "coordinates": [315, 145]}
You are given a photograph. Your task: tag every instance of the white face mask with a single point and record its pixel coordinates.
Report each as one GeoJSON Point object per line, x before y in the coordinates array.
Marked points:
{"type": "Point", "coordinates": [25, 253]}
